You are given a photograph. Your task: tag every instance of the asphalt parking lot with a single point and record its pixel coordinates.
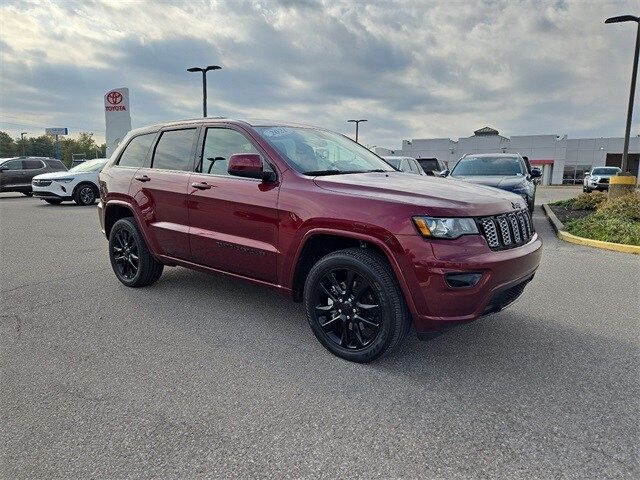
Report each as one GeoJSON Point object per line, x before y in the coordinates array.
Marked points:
{"type": "Point", "coordinates": [200, 376]}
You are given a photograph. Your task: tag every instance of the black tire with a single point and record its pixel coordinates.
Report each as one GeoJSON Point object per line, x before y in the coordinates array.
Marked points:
{"type": "Point", "coordinates": [586, 190]}
{"type": "Point", "coordinates": [53, 201]}
{"type": "Point", "coordinates": [374, 276]}
{"type": "Point", "coordinates": [146, 270]}
{"type": "Point", "coordinates": [85, 194]}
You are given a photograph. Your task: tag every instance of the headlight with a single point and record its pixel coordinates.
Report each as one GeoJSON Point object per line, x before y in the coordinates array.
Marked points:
{"type": "Point", "coordinates": [63, 180]}
{"type": "Point", "coordinates": [445, 227]}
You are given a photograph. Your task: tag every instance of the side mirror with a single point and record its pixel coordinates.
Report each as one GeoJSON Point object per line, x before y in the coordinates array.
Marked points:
{"type": "Point", "coordinates": [248, 165]}
{"type": "Point", "coordinates": [445, 173]}
{"type": "Point", "coordinates": [536, 173]}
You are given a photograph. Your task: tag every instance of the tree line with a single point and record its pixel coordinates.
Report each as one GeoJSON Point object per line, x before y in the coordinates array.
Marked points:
{"type": "Point", "coordinates": [45, 146]}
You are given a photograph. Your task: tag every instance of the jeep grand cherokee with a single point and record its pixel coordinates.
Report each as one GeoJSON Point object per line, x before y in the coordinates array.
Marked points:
{"type": "Point", "coordinates": [309, 212]}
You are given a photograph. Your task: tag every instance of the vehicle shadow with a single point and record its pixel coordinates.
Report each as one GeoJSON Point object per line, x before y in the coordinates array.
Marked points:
{"type": "Point", "coordinates": [536, 374]}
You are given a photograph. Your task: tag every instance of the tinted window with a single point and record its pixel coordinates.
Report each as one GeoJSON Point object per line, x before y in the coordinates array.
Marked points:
{"type": "Point", "coordinates": [12, 165]}
{"type": "Point", "coordinates": [507, 166]}
{"type": "Point", "coordinates": [219, 145]}
{"type": "Point", "coordinates": [415, 168]}
{"type": "Point", "coordinates": [605, 171]}
{"type": "Point", "coordinates": [395, 162]}
{"type": "Point", "coordinates": [135, 153]}
{"type": "Point", "coordinates": [32, 164]}
{"type": "Point", "coordinates": [173, 151]}
{"type": "Point", "coordinates": [429, 164]}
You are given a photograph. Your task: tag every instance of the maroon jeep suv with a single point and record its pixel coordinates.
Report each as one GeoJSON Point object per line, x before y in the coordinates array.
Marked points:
{"type": "Point", "coordinates": [368, 249]}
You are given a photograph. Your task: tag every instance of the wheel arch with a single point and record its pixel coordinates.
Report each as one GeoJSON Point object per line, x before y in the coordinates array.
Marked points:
{"type": "Point", "coordinates": [319, 242]}
{"type": "Point", "coordinates": [86, 182]}
{"type": "Point", "coordinates": [114, 212]}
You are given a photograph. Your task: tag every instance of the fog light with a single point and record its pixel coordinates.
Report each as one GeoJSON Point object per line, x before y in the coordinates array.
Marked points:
{"type": "Point", "coordinates": [462, 280]}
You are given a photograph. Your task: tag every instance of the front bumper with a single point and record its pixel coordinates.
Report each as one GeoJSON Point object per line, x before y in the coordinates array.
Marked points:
{"type": "Point", "coordinates": [436, 305]}
{"type": "Point", "coordinates": [52, 191]}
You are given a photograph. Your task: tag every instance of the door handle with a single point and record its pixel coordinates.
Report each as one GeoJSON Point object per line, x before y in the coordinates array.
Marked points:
{"type": "Point", "coordinates": [142, 178]}
{"type": "Point", "coordinates": [201, 185]}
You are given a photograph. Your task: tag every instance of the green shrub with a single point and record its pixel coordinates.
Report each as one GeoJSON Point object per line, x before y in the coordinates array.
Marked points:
{"type": "Point", "coordinates": [588, 201]}
{"type": "Point", "coordinates": [627, 206]}
{"type": "Point", "coordinates": [607, 227]}
{"type": "Point", "coordinates": [585, 201]}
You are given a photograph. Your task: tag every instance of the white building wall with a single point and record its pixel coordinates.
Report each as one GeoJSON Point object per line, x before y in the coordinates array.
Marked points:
{"type": "Point", "coordinates": [564, 152]}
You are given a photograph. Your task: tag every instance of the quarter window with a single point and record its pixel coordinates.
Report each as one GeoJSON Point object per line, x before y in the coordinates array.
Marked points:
{"type": "Point", "coordinates": [32, 164]}
{"type": "Point", "coordinates": [173, 151]}
{"type": "Point", "coordinates": [136, 151]}
{"type": "Point", "coordinates": [219, 145]}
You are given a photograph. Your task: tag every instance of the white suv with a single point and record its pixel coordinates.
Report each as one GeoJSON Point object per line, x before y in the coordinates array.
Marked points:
{"type": "Point", "coordinates": [598, 178]}
{"type": "Point", "coordinates": [79, 184]}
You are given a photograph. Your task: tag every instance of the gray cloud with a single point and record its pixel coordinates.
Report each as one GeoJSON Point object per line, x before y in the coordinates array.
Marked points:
{"type": "Point", "coordinates": [413, 69]}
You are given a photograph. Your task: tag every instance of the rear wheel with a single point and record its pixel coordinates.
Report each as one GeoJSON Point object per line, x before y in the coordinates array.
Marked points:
{"type": "Point", "coordinates": [53, 201]}
{"type": "Point", "coordinates": [130, 258]}
{"type": "Point", "coordinates": [85, 194]}
{"type": "Point", "coordinates": [354, 305]}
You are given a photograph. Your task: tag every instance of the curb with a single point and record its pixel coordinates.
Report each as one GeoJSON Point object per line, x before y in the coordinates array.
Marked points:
{"type": "Point", "coordinates": [562, 234]}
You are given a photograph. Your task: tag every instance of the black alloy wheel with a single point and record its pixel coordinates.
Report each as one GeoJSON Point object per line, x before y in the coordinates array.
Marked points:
{"type": "Point", "coordinates": [354, 304]}
{"type": "Point", "coordinates": [126, 254]}
{"type": "Point", "coordinates": [347, 308]}
{"type": "Point", "coordinates": [130, 257]}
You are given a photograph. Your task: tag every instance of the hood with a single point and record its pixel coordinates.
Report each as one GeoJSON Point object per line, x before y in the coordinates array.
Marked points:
{"type": "Point", "coordinates": [504, 182]}
{"type": "Point", "coordinates": [62, 174]}
{"type": "Point", "coordinates": [434, 195]}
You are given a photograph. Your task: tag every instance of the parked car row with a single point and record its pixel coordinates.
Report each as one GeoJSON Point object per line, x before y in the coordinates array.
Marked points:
{"type": "Point", "coordinates": [49, 179]}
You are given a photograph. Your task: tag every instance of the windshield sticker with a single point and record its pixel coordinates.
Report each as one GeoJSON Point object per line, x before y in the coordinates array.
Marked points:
{"type": "Point", "coordinates": [276, 132]}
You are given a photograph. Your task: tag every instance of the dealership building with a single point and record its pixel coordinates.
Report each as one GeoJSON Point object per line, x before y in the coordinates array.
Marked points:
{"type": "Point", "coordinates": [562, 160]}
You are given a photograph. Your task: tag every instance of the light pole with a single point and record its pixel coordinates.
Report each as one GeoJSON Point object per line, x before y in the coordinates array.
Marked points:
{"type": "Point", "coordinates": [204, 83]}
{"type": "Point", "coordinates": [22, 140]}
{"type": "Point", "coordinates": [357, 122]}
{"type": "Point", "coordinates": [634, 74]}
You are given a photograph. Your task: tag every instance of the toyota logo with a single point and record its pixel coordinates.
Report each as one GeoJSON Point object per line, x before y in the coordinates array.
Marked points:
{"type": "Point", "coordinates": [114, 98]}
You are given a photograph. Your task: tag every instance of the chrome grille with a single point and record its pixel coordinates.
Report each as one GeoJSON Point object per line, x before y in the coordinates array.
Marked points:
{"type": "Point", "coordinates": [508, 230]}
{"type": "Point", "coordinates": [504, 230]}
{"type": "Point", "coordinates": [490, 232]}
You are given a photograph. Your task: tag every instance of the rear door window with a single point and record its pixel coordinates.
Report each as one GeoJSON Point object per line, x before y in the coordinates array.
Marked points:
{"type": "Point", "coordinates": [136, 151]}
{"type": "Point", "coordinates": [174, 150]}
{"type": "Point", "coordinates": [33, 164]}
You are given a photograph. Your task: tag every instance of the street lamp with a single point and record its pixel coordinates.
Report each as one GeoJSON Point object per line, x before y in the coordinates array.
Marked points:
{"type": "Point", "coordinates": [634, 74]}
{"type": "Point", "coordinates": [22, 140]}
{"type": "Point", "coordinates": [204, 83]}
{"type": "Point", "coordinates": [357, 122]}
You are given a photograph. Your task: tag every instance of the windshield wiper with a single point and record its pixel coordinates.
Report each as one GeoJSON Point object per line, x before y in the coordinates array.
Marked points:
{"type": "Point", "coordinates": [316, 173]}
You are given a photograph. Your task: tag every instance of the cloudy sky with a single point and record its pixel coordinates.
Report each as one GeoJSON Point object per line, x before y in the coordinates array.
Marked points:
{"type": "Point", "coordinates": [414, 69]}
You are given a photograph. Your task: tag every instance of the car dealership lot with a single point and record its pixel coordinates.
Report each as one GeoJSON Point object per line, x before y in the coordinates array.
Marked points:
{"type": "Point", "coordinates": [201, 376]}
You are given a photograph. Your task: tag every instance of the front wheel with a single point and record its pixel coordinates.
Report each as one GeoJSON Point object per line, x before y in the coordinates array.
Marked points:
{"type": "Point", "coordinates": [130, 258]}
{"type": "Point", "coordinates": [355, 306]}
{"type": "Point", "coordinates": [85, 195]}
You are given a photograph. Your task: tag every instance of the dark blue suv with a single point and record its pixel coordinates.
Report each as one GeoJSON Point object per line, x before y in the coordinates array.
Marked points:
{"type": "Point", "coordinates": [507, 171]}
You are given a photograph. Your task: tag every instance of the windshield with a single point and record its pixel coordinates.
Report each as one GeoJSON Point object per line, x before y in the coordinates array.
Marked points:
{"type": "Point", "coordinates": [319, 152]}
{"type": "Point", "coordinates": [605, 171]}
{"type": "Point", "coordinates": [489, 166]}
{"type": "Point", "coordinates": [90, 166]}
{"type": "Point", "coordinates": [394, 162]}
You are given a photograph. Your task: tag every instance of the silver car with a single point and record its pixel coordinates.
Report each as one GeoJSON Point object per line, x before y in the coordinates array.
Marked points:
{"type": "Point", "coordinates": [598, 178]}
